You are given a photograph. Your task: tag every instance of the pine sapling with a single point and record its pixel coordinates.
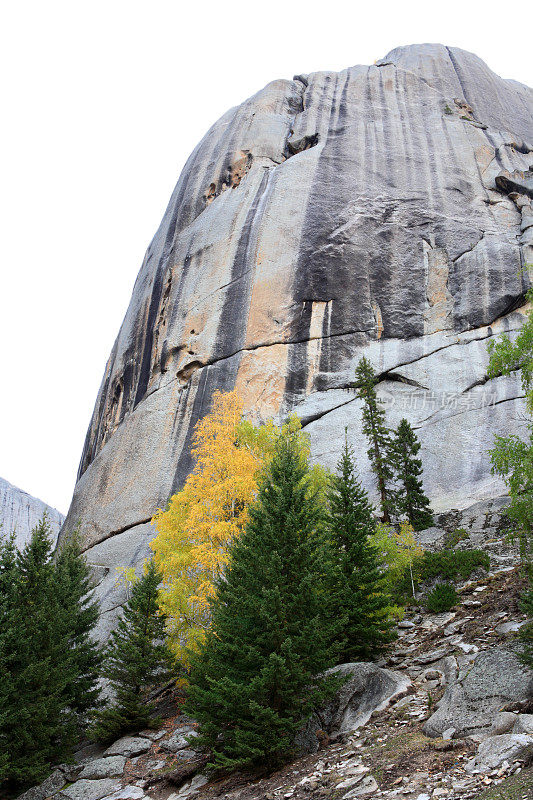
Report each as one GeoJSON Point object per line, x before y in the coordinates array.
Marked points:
{"type": "Point", "coordinates": [136, 659]}
{"type": "Point", "coordinates": [357, 585]}
{"type": "Point", "coordinates": [377, 433]}
{"type": "Point", "coordinates": [409, 499]}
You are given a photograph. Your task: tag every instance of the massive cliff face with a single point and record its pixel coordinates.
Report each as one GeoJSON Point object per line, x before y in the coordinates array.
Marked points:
{"type": "Point", "coordinates": [383, 210]}
{"type": "Point", "coordinates": [20, 512]}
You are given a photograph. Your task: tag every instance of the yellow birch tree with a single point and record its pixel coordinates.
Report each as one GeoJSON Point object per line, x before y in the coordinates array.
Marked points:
{"type": "Point", "coordinates": [195, 530]}
{"type": "Point", "coordinates": [399, 551]}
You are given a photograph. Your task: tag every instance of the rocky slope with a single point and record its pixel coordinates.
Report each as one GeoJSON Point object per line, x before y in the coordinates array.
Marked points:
{"type": "Point", "coordinates": [20, 512]}
{"type": "Point", "coordinates": [448, 715]}
{"type": "Point", "coordinates": [383, 210]}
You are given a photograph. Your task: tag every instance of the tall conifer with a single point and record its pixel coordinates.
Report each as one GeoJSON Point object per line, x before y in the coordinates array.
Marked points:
{"type": "Point", "coordinates": [47, 660]}
{"type": "Point", "coordinates": [78, 614]}
{"type": "Point", "coordinates": [409, 499]}
{"type": "Point", "coordinates": [376, 431]}
{"type": "Point", "coordinates": [35, 723]}
{"type": "Point", "coordinates": [9, 645]}
{"type": "Point", "coordinates": [255, 680]}
{"type": "Point", "coordinates": [357, 577]}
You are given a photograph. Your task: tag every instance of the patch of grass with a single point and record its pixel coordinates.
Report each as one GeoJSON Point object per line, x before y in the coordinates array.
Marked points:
{"type": "Point", "coordinates": [517, 787]}
{"type": "Point", "coordinates": [399, 748]}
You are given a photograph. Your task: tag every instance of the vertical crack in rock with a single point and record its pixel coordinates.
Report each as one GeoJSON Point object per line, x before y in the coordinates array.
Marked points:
{"type": "Point", "coordinates": [462, 82]}
{"type": "Point", "coordinates": [379, 319]}
{"type": "Point", "coordinates": [438, 314]}
{"type": "Point", "coordinates": [159, 355]}
{"type": "Point", "coordinates": [231, 331]}
{"type": "Point", "coordinates": [319, 332]}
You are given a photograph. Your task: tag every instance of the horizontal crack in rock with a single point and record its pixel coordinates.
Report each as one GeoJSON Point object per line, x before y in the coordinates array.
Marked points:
{"type": "Point", "coordinates": [116, 533]}
{"type": "Point", "coordinates": [429, 420]}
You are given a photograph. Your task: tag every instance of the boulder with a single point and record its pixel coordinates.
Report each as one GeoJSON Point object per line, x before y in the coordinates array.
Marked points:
{"type": "Point", "coordinates": [509, 627]}
{"type": "Point", "coordinates": [178, 740]}
{"type": "Point", "coordinates": [186, 754]}
{"type": "Point", "coordinates": [367, 688]}
{"type": "Point", "coordinates": [89, 790]}
{"type": "Point", "coordinates": [189, 789]}
{"type": "Point", "coordinates": [495, 750]}
{"type": "Point", "coordinates": [503, 723]}
{"type": "Point", "coordinates": [50, 786]}
{"type": "Point", "coordinates": [470, 703]}
{"type": "Point", "coordinates": [129, 746]}
{"type": "Point", "coordinates": [109, 767]}
{"type": "Point", "coordinates": [367, 787]}
{"type": "Point", "coordinates": [524, 724]}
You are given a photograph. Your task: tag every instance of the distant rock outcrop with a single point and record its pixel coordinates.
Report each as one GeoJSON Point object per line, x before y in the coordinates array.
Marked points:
{"type": "Point", "coordinates": [20, 512]}
{"type": "Point", "coordinates": [383, 210]}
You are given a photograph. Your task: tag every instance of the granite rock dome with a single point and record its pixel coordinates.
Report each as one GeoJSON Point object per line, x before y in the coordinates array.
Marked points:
{"type": "Point", "coordinates": [383, 210]}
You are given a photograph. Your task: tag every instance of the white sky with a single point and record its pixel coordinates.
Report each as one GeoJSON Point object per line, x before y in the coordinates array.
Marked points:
{"type": "Point", "coordinates": [102, 103]}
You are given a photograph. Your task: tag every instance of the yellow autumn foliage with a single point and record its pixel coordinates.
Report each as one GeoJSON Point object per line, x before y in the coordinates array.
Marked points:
{"type": "Point", "coordinates": [194, 532]}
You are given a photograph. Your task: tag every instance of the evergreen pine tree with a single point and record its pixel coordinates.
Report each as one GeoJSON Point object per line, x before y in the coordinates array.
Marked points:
{"type": "Point", "coordinates": [36, 726]}
{"type": "Point", "coordinates": [78, 614]}
{"type": "Point", "coordinates": [136, 659]}
{"type": "Point", "coordinates": [8, 640]}
{"type": "Point", "coordinates": [357, 578]}
{"type": "Point", "coordinates": [376, 431]}
{"type": "Point", "coordinates": [409, 499]}
{"type": "Point", "coordinates": [255, 680]}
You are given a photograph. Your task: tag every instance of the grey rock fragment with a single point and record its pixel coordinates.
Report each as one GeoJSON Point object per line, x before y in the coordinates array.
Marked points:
{"type": "Point", "coordinates": [367, 787]}
{"type": "Point", "coordinates": [109, 767]}
{"type": "Point", "coordinates": [89, 790]}
{"type": "Point", "coordinates": [503, 723]}
{"type": "Point", "coordinates": [127, 793]}
{"type": "Point", "coordinates": [129, 746]}
{"type": "Point", "coordinates": [189, 789]}
{"type": "Point", "coordinates": [178, 740]}
{"type": "Point", "coordinates": [524, 724]}
{"type": "Point", "coordinates": [495, 750]}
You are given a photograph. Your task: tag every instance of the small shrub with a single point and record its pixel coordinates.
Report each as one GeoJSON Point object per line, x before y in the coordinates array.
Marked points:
{"type": "Point", "coordinates": [442, 598]}
{"type": "Point", "coordinates": [451, 540]}
{"type": "Point", "coordinates": [451, 564]}
{"type": "Point", "coordinates": [446, 565]}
